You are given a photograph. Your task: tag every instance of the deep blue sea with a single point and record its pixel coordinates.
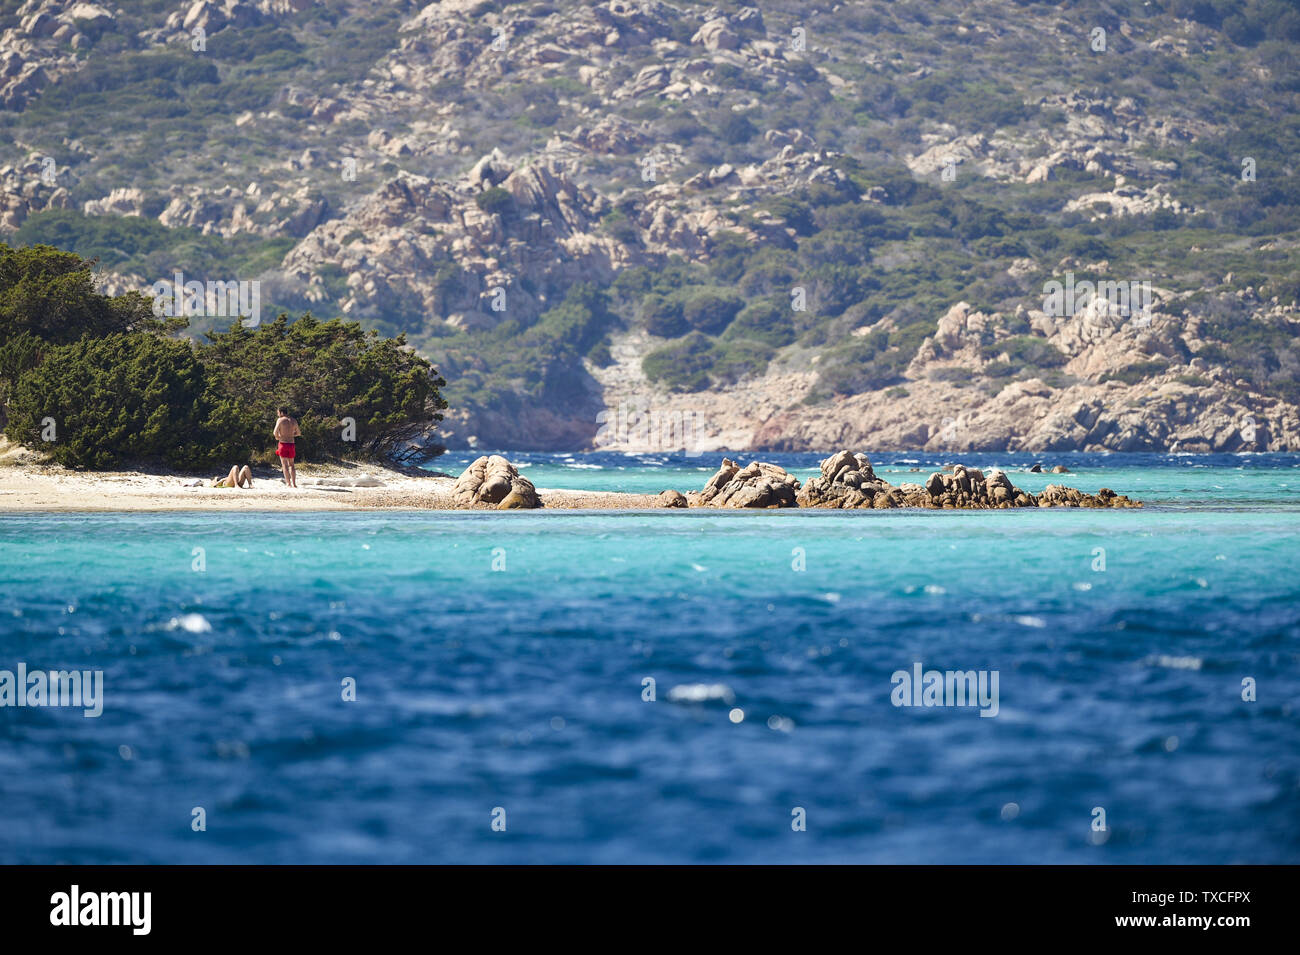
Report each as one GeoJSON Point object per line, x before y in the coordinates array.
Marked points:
{"type": "Point", "coordinates": [501, 663]}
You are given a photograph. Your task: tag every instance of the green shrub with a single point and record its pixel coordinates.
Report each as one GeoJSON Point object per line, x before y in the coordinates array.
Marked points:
{"type": "Point", "coordinates": [143, 245]}
{"type": "Point", "coordinates": [118, 389]}
{"type": "Point", "coordinates": [736, 128]}
{"type": "Point", "coordinates": [975, 105]}
{"type": "Point", "coordinates": [794, 213]}
{"type": "Point", "coordinates": [120, 398]}
{"type": "Point", "coordinates": [18, 353]}
{"type": "Point", "coordinates": [682, 365]}
{"type": "Point", "coordinates": [864, 363]}
{"type": "Point", "coordinates": [768, 320]}
{"type": "Point", "coordinates": [1026, 350]}
{"type": "Point", "coordinates": [662, 316]}
{"type": "Point", "coordinates": [51, 295]}
{"type": "Point", "coordinates": [710, 310]}
{"type": "Point", "coordinates": [734, 360]}
{"type": "Point", "coordinates": [1138, 371]}
{"type": "Point", "coordinates": [495, 201]}
{"type": "Point", "coordinates": [322, 371]}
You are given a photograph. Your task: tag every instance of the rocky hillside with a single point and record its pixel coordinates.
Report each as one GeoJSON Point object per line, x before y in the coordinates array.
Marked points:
{"type": "Point", "coordinates": [666, 225]}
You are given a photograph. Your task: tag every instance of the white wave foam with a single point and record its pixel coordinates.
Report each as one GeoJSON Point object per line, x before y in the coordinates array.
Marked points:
{"type": "Point", "coordinates": [701, 693]}
{"type": "Point", "coordinates": [190, 623]}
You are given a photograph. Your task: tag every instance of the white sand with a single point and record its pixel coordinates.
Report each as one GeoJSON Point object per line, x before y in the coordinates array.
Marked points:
{"type": "Point", "coordinates": [38, 487]}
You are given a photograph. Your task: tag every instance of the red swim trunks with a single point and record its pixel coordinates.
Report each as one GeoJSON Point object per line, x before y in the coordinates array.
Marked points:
{"type": "Point", "coordinates": [285, 449]}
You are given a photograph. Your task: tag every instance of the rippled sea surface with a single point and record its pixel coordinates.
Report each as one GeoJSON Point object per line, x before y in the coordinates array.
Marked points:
{"type": "Point", "coordinates": [501, 663]}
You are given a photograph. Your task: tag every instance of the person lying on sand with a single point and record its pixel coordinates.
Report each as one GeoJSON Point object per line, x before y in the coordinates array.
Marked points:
{"type": "Point", "coordinates": [237, 477]}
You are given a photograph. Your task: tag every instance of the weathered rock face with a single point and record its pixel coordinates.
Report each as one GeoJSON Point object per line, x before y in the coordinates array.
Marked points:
{"type": "Point", "coordinates": [1054, 495]}
{"type": "Point", "coordinates": [426, 240]}
{"type": "Point", "coordinates": [671, 499]}
{"type": "Point", "coordinates": [756, 485]}
{"type": "Point", "coordinates": [972, 488]}
{"type": "Point", "coordinates": [494, 482]}
{"type": "Point", "coordinates": [847, 481]}
{"type": "Point", "coordinates": [1196, 405]}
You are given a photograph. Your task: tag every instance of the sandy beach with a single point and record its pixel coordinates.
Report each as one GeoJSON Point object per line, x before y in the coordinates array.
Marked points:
{"type": "Point", "coordinates": [40, 487]}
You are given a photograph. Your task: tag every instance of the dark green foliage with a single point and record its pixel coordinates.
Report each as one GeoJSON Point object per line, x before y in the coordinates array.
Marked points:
{"type": "Point", "coordinates": [767, 320]}
{"type": "Point", "coordinates": [543, 363]}
{"type": "Point", "coordinates": [495, 201]}
{"type": "Point", "coordinates": [577, 323]}
{"type": "Point", "coordinates": [736, 128]}
{"type": "Point", "coordinates": [1022, 351]}
{"type": "Point", "coordinates": [794, 213]}
{"type": "Point", "coordinates": [740, 358]}
{"type": "Point", "coordinates": [1245, 23]}
{"type": "Point", "coordinates": [158, 73]}
{"type": "Point", "coordinates": [324, 372]}
{"type": "Point", "coordinates": [710, 310]}
{"type": "Point", "coordinates": [863, 364]}
{"type": "Point", "coordinates": [662, 316]}
{"type": "Point", "coordinates": [1138, 371]}
{"type": "Point", "coordinates": [868, 362]}
{"type": "Point", "coordinates": [682, 365]}
{"type": "Point", "coordinates": [833, 288]}
{"type": "Point", "coordinates": [682, 128]}
{"type": "Point", "coordinates": [975, 105]}
{"type": "Point", "coordinates": [18, 353]}
{"type": "Point", "coordinates": [732, 255]}
{"type": "Point", "coordinates": [622, 229]}
{"type": "Point", "coordinates": [120, 398]}
{"type": "Point", "coordinates": [1265, 351]}
{"type": "Point", "coordinates": [118, 389]}
{"type": "Point", "coordinates": [51, 295]}
{"type": "Point", "coordinates": [707, 309]}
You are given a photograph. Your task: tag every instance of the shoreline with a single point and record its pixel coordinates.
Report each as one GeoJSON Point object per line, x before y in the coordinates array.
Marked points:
{"type": "Point", "coordinates": [32, 488]}
{"type": "Point", "coordinates": [42, 488]}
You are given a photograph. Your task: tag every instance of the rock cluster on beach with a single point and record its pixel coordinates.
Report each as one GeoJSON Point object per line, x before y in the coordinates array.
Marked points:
{"type": "Point", "coordinates": [756, 485]}
{"type": "Point", "coordinates": [848, 481]}
{"type": "Point", "coordinates": [1055, 495]}
{"type": "Point", "coordinates": [494, 482]}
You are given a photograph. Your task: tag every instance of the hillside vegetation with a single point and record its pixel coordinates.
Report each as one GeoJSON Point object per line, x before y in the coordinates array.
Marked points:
{"type": "Point", "coordinates": [812, 224]}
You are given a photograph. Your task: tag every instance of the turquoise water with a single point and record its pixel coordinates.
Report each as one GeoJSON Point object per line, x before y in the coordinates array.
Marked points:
{"type": "Point", "coordinates": [1176, 480]}
{"type": "Point", "coordinates": [1121, 641]}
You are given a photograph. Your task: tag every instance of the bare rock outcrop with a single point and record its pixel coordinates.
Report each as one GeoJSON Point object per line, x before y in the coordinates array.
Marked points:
{"type": "Point", "coordinates": [758, 484]}
{"type": "Point", "coordinates": [494, 482]}
{"type": "Point", "coordinates": [848, 481]}
{"type": "Point", "coordinates": [972, 488]}
{"type": "Point", "coordinates": [1054, 495]}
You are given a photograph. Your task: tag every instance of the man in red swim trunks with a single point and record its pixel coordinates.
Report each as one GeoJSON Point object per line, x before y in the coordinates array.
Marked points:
{"type": "Point", "coordinates": [286, 430]}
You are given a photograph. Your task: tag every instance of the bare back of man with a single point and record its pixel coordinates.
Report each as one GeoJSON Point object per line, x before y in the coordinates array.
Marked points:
{"type": "Point", "coordinates": [286, 433]}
